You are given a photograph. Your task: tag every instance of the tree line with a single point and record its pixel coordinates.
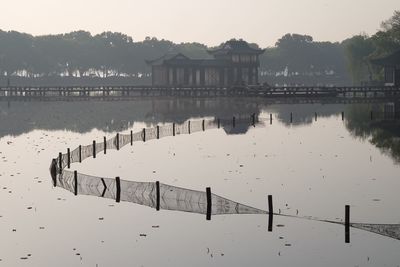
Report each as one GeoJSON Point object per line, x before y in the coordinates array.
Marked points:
{"type": "Point", "coordinates": [81, 54]}
{"type": "Point", "coordinates": [362, 49]}
{"type": "Point", "coordinates": [294, 57]}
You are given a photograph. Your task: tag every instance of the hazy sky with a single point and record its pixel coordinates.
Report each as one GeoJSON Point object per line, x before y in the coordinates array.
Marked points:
{"type": "Point", "coordinates": [206, 21]}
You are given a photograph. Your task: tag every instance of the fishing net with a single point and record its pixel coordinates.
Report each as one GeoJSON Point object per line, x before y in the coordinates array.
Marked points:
{"type": "Point", "coordinates": [81, 153]}
{"type": "Point", "coordinates": [144, 193]}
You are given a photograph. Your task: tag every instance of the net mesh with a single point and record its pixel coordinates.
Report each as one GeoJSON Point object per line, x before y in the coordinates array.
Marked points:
{"type": "Point", "coordinates": [144, 193]}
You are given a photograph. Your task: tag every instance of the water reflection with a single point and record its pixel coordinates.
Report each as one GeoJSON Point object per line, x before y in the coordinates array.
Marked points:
{"type": "Point", "coordinates": [167, 197]}
{"type": "Point", "coordinates": [380, 124]}
{"type": "Point", "coordinates": [21, 117]}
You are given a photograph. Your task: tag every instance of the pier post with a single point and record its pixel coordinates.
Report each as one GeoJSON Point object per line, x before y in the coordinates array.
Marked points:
{"type": "Point", "coordinates": [316, 116]}
{"type": "Point", "coordinates": [233, 122]}
{"type": "Point", "coordinates": [75, 183]}
{"type": "Point", "coordinates": [80, 154]}
{"type": "Point", "coordinates": [158, 132]}
{"type": "Point", "coordinates": [253, 117]}
{"type": "Point", "coordinates": [173, 129]}
{"type": "Point", "coordinates": [203, 125]}
{"type": "Point", "coordinates": [105, 145]}
{"type": "Point", "coordinates": [219, 123]}
{"type": "Point", "coordinates": [270, 118]}
{"type": "Point", "coordinates": [157, 195]}
{"type": "Point", "coordinates": [68, 158]}
{"type": "Point", "coordinates": [117, 141]}
{"type": "Point", "coordinates": [189, 127]}
{"type": "Point", "coordinates": [347, 224]}
{"type": "Point", "coordinates": [342, 115]}
{"type": "Point", "coordinates": [270, 213]}
{"type": "Point", "coordinates": [291, 117]}
{"type": "Point", "coordinates": [209, 203]}
{"type": "Point", "coordinates": [144, 134]}
{"type": "Point", "coordinates": [118, 189]}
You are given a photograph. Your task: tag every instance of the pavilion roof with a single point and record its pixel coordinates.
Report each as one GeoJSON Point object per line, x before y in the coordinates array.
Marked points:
{"type": "Point", "coordinates": [389, 60]}
{"type": "Point", "coordinates": [236, 46]}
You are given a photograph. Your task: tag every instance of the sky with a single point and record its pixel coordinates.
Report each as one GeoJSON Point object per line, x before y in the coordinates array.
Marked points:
{"type": "Point", "coordinates": [206, 21]}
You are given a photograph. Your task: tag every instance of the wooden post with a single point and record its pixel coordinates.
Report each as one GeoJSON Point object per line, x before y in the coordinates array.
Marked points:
{"type": "Point", "coordinates": [80, 154]}
{"type": "Point", "coordinates": [233, 122]}
{"type": "Point", "coordinates": [157, 195]}
{"type": "Point", "coordinates": [60, 162]}
{"type": "Point", "coordinates": [105, 145]}
{"type": "Point", "coordinates": [68, 158]}
{"type": "Point", "coordinates": [189, 127]}
{"type": "Point", "coordinates": [144, 134]}
{"type": "Point", "coordinates": [131, 138]}
{"type": "Point", "coordinates": [342, 115]}
{"type": "Point", "coordinates": [209, 203]}
{"type": "Point", "coordinates": [253, 117]}
{"type": "Point", "coordinates": [94, 149]}
{"type": "Point", "coordinates": [117, 141]}
{"type": "Point", "coordinates": [75, 183]}
{"type": "Point", "coordinates": [270, 118]}
{"type": "Point", "coordinates": [53, 171]}
{"type": "Point", "coordinates": [291, 117]}
{"type": "Point", "coordinates": [315, 116]}
{"type": "Point", "coordinates": [203, 125]}
{"type": "Point", "coordinates": [173, 129]}
{"type": "Point", "coordinates": [347, 224]}
{"type": "Point", "coordinates": [158, 132]}
{"type": "Point", "coordinates": [270, 213]}
{"type": "Point", "coordinates": [219, 123]}
{"type": "Point", "coordinates": [118, 189]}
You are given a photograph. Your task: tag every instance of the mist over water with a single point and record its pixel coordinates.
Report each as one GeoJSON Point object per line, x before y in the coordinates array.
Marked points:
{"type": "Point", "coordinates": [312, 165]}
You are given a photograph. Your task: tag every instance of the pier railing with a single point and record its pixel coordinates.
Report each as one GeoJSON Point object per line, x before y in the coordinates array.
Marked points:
{"type": "Point", "coordinates": [57, 92]}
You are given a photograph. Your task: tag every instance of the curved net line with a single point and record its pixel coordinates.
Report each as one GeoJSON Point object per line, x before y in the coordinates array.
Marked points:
{"type": "Point", "coordinates": [171, 197]}
{"type": "Point", "coordinates": [144, 193]}
{"type": "Point", "coordinates": [143, 135]}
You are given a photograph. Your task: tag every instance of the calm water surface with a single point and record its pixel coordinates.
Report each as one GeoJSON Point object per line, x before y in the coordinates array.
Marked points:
{"type": "Point", "coordinates": [312, 167]}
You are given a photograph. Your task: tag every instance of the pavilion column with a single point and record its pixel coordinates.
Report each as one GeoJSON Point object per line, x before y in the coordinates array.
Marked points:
{"type": "Point", "coordinates": [202, 76]}
{"type": "Point", "coordinates": [174, 76]}
{"type": "Point", "coordinates": [186, 75]}
{"type": "Point", "coordinates": [170, 78]}
{"type": "Point", "coordinates": [194, 76]}
{"type": "Point", "coordinates": [251, 75]}
{"type": "Point", "coordinates": [256, 73]}
{"type": "Point", "coordinates": [221, 76]}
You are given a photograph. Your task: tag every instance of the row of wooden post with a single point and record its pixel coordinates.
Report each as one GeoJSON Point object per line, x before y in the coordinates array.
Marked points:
{"type": "Point", "coordinates": [346, 219]}
{"type": "Point", "coordinates": [253, 118]}
{"type": "Point", "coordinates": [209, 203]}
{"type": "Point", "coordinates": [208, 189]}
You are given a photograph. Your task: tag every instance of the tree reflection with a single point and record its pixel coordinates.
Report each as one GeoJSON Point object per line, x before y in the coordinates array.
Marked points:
{"type": "Point", "coordinates": [381, 130]}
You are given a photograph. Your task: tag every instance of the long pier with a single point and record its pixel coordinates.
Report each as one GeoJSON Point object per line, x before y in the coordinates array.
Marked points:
{"type": "Point", "coordinates": [118, 92]}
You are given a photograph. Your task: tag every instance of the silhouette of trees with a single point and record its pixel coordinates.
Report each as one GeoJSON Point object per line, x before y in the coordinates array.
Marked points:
{"type": "Point", "coordinates": [114, 54]}
{"type": "Point", "coordinates": [300, 55]}
{"type": "Point", "coordinates": [360, 49]}
{"type": "Point", "coordinates": [80, 54]}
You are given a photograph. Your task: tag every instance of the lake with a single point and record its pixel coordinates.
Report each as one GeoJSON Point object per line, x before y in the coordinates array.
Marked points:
{"type": "Point", "coordinates": [308, 156]}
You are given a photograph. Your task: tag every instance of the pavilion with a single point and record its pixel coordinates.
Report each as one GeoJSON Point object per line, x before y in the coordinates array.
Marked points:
{"type": "Point", "coordinates": [234, 63]}
{"type": "Point", "coordinates": [391, 65]}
